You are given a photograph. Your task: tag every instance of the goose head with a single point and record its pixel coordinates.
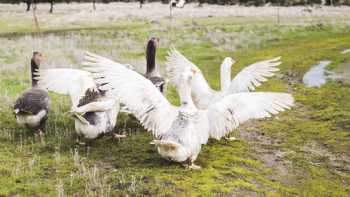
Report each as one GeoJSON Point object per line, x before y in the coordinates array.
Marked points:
{"type": "Point", "coordinates": [225, 73]}
{"type": "Point", "coordinates": [228, 61]}
{"type": "Point", "coordinates": [186, 77]}
{"type": "Point", "coordinates": [184, 89]}
{"type": "Point", "coordinates": [35, 64]}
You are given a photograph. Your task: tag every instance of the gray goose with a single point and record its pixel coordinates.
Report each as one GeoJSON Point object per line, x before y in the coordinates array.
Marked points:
{"type": "Point", "coordinates": [152, 72]}
{"type": "Point", "coordinates": [32, 107]}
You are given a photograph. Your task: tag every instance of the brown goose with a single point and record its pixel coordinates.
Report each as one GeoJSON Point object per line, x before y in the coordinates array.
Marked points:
{"type": "Point", "coordinates": [152, 72]}
{"type": "Point", "coordinates": [32, 107]}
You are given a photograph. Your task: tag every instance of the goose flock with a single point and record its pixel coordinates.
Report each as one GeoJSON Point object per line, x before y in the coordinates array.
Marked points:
{"type": "Point", "coordinates": [103, 85]}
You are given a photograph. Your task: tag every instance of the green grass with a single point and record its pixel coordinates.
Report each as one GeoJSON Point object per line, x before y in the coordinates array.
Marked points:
{"type": "Point", "coordinates": [303, 152]}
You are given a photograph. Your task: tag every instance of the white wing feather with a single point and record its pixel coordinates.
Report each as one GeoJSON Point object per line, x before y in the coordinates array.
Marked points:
{"type": "Point", "coordinates": [227, 114]}
{"type": "Point", "coordinates": [65, 81]}
{"type": "Point", "coordinates": [177, 64]}
{"type": "Point", "coordinates": [136, 92]}
{"type": "Point", "coordinates": [252, 76]}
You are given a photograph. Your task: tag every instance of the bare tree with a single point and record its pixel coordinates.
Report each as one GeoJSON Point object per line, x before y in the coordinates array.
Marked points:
{"type": "Point", "coordinates": [28, 2]}
{"type": "Point", "coordinates": [94, 4]}
{"type": "Point", "coordinates": [51, 6]}
{"type": "Point", "coordinates": [35, 18]}
{"type": "Point", "coordinates": [141, 3]}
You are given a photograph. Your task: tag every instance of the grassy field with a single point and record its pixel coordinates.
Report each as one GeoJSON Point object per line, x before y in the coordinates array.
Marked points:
{"type": "Point", "coordinates": [302, 152]}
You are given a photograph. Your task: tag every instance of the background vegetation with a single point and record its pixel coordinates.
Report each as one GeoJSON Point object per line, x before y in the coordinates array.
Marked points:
{"type": "Point", "coordinates": [303, 152]}
{"type": "Point", "coordinates": [220, 2]}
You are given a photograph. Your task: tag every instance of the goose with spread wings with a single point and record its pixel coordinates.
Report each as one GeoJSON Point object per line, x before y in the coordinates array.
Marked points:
{"type": "Point", "coordinates": [180, 131]}
{"type": "Point", "coordinates": [94, 113]}
{"type": "Point", "coordinates": [246, 80]}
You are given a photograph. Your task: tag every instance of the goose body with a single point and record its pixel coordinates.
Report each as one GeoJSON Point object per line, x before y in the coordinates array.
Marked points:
{"type": "Point", "coordinates": [181, 142]}
{"type": "Point", "coordinates": [180, 131]}
{"type": "Point", "coordinates": [93, 112]}
{"type": "Point", "coordinates": [203, 95]}
{"type": "Point", "coordinates": [31, 108]}
{"type": "Point", "coordinates": [97, 123]}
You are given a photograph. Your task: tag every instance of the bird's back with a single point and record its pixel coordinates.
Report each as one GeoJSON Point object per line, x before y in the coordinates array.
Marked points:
{"type": "Point", "coordinates": [32, 101]}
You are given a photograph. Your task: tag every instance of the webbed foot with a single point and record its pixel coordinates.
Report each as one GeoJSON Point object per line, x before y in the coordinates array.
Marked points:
{"type": "Point", "coordinates": [194, 167]}
{"type": "Point", "coordinates": [41, 135]}
{"type": "Point", "coordinates": [230, 138]}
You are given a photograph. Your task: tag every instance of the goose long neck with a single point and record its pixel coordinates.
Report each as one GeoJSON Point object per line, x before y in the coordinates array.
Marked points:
{"type": "Point", "coordinates": [150, 58]}
{"type": "Point", "coordinates": [33, 68]}
{"type": "Point", "coordinates": [225, 75]}
{"type": "Point", "coordinates": [185, 97]}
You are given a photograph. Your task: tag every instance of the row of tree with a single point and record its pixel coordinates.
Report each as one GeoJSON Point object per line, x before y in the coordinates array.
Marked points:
{"type": "Point", "coordinates": [32, 3]}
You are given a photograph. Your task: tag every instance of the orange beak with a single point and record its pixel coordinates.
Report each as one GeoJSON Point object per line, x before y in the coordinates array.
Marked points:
{"type": "Point", "coordinates": [193, 71]}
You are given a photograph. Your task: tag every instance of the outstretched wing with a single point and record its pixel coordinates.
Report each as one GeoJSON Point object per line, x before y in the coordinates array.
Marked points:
{"type": "Point", "coordinates": [66, 81]}
{"type": "Point", "coordinates": [136, 92]}
{"type": "Point", "coordinates": [177, 64]}
{"type": "Point", "coordinates": [232, 110]}
{"type": "Point", "coordinates": [252, 76]}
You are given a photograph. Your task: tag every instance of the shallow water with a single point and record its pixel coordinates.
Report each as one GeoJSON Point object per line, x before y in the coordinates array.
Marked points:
{"type": "Point", "coordinates": [345, 51]}
{"type": "Point", "coordinates": [316, 77]}
{"type": "Point", "coordinates": [341, 73]}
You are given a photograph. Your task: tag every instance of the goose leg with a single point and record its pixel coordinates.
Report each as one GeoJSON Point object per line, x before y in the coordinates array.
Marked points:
{"type": "Point", "coordinates": [194, 167]}
{"type": "Point", "coordinates": [78, 140]}
{"type": "Point", "coordinates": [41, 136]}
{"type": "Point", "coordinates": [230, 138]}
{"type": "Point", "coordinates": [190, 165]}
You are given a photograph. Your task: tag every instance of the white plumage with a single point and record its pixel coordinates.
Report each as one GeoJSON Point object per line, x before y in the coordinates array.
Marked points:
{"type": "Point", "coordinates": [92, 118]}
{"type": "Point", "coordinates": [31, 121]}
{"type": "Point", "coordinates": [133, 90]}
{"type": "Point", "coordinates": [66, 81]}
{"type": "Point", "coordinates": [180, 131]}
{"type": "Point", "coordinates": [245, 81]}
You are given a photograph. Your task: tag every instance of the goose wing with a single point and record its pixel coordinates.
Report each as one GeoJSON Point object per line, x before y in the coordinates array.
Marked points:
{"type": "Point", "coordinates": [232, 110]}
{"type": "Point", "coordinates": [136, 92]}
{"type": "Point", "coordinates": [177, 64]}
{"type": "Point", "coordinates": [32, 101]}
{"type": "Point", "coordinates": [72, 82]}
{"type": "Point", "coordinates": [252, 75]}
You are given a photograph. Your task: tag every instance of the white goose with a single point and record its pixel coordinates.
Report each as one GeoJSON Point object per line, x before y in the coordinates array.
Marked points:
{"type": "Point", "coordinates": [180, 131]}
{"type": "Point", "coordinates": [93, 112]}
{"type": "Point", "coordinates": [245, 81]}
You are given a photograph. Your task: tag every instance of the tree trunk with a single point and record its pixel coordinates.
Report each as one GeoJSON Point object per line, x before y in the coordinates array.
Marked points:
{"type": "Point", "coordinates": [51, 6]}
{"type": "Point", "coordinates": [28, 2]}
{"type": "Point", "coordinates": [94, 4]}
{"type": "Point", "coordinates": [34, 7]}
